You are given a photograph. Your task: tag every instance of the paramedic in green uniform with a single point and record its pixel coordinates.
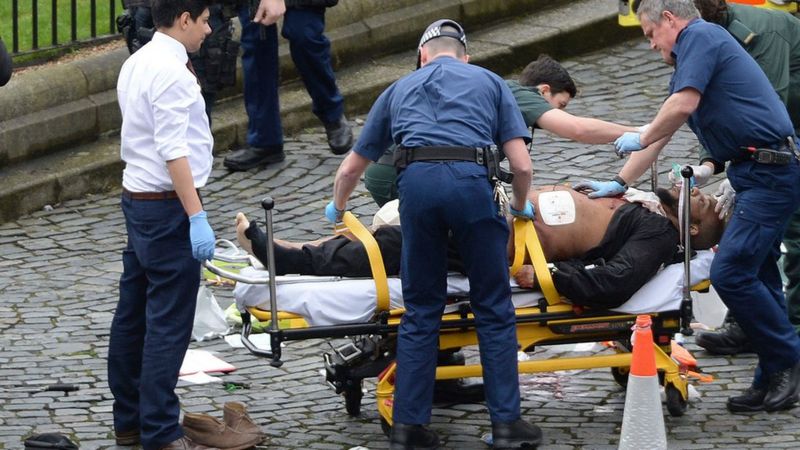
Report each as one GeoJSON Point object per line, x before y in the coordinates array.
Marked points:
{"type": "Point", "coordinates": [543, 91]}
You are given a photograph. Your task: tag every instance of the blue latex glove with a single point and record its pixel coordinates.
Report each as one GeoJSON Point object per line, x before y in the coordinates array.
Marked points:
{"type": "Point", "coordinates": [527, 212]}
{"type": "Point", "coordinates": [202, 237]}
{"type": "Point", "coordinates": [600, 188]}
{"type": "Point", "coordinates": [628, 142]}
{"type": "Point", "coordinates": [333, 214]}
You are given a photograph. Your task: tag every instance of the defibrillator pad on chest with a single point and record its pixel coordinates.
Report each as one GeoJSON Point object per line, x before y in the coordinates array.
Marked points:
{"type": "Point", "coordinates": [556, 208]}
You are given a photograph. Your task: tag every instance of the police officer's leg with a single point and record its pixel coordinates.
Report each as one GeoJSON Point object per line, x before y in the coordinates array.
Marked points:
{"type": "Point", "coordinates": [424, 274]}
{"type": "Point", "coordinates": [481, 234]}
{"type": "Point", "coordinates": [260, 69]}
{"type": "Point", "coordinates": [311, 53]}
{"type": "Point", "coordinates": [791, 239]}
{"type": "Point", "coordinates": [381, 182]}
{"type": "Point", "coordinates": [748, 245]}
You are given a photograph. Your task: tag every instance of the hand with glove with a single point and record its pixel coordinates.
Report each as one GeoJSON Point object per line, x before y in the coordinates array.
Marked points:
{"type": "Point", "coordinates": [333, 214]}
{"type": "Point", "coordinates": [201, 236]}
{"type": "Point", "coordinates": [526, 213]}
{"type": "Point", "coordinates": [726, 197]}
{"type": "Point", "coordinates": [599, 189]}
{"type": "Point", "coordinates": [628, 142]}
{"type": "Point", "coordinates": [701, 175]}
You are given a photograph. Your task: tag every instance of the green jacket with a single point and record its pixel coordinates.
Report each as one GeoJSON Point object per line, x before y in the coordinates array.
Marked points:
{"type": "Point", "coordinates": [530, 102]}
{"type": "Point", "coordinates": [772, 38]}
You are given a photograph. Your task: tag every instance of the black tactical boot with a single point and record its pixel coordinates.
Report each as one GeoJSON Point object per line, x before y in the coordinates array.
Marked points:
{"type": "Point", "coordinates": [782, 390]}
{"type": "Point", "coordinates": [730, 341]}
{"type": "Point", "coordinates": [340, 135]}
{"type": "Point", "coordinates": [517, 434]}
{"type": "Point", "coordinates": [752, 400]}
{"type": "Point", "coordinates": [412, 437]}
{"type": "Point", "coordinates": [250, 157]}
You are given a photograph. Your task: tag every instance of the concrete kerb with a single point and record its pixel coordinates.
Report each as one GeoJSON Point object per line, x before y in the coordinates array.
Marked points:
{"type": "Point", "coordinates": [360, 85]}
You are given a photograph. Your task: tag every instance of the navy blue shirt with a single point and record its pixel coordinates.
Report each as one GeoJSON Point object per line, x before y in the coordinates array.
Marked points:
{"type": "Point", "coordinates": [446, 102]}
{"type": "Point", "coordinates": [738, 106]}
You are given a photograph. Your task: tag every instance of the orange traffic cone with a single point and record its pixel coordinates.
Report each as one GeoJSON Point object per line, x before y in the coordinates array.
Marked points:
{"type": "Point", "coordinates": [643, 420]}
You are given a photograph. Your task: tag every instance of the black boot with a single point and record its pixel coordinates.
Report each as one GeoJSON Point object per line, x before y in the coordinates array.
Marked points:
{"type": "Point", "coordinates": [782, 391]}
{"type": "Point", "coordinates": [730, 341]}
{"type": "Point", "coordinates": [752, 400]}
{"type": "Point", "coordinates": [340, 135]}
{"type": "Point", "coordinates": [250, 157]}
{"type": "Point", "coordinates": [412, 437]}
{"type": "Point", "coordinates": [517, 434]}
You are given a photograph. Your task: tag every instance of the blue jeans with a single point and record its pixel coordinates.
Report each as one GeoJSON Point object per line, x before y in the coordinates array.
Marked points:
{"type": "Point", "coordinates": [745, 270]}
{"type": "Point", "coordinates": [311, 53]}
{"type": "Point", "coordinates": [437, 199]}
{"type": "Point", "coordinates": [151, 328]}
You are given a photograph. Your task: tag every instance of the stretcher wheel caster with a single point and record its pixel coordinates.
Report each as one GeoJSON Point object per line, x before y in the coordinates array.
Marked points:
{"type": "Point", "coordinates": [353, 392]}
{"type": "Point", "coordinates": [620, 375]}
{"type": "Point", "coordinates": [386, 428]}
{"type": "Point", "coordinates": [676, 405]}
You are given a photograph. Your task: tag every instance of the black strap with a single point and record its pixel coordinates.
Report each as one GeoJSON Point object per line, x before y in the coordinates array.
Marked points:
{"type": "Point", "coordinates": [405, 156]}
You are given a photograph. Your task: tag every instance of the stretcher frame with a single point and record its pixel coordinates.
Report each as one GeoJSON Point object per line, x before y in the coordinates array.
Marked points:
{"type": "Point", "coordinates": [370, 352]}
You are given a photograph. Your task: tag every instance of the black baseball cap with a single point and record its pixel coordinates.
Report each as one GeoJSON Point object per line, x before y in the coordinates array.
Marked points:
{"type": "Point", "coordinates": [434, 31]}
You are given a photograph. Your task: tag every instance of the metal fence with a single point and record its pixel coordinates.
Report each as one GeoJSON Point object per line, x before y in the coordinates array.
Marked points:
{"type": "Point", "coordinates": [86, 20]}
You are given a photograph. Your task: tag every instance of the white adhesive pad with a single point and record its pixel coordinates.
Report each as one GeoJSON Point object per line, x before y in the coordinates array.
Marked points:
{"type": "Point", "coordinates": [556, 208]}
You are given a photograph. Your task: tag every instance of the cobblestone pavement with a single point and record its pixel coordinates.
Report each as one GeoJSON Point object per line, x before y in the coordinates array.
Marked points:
{"type": "Point", "coordinates": [60, 270]}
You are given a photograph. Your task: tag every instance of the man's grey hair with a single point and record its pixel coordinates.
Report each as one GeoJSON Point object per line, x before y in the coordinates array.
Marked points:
{"type": "Point", "coordinates": [652, 9]}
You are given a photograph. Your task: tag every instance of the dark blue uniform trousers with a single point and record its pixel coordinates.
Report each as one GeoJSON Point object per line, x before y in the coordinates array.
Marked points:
{"type": "Point", "coordinates": [745, 271]}
{"type": "Point", "coordinates": [311, 53]}
{"type": "Point", "coordinates": [436, 198]}
{"type": "Point", "coordinates": [152, 324]}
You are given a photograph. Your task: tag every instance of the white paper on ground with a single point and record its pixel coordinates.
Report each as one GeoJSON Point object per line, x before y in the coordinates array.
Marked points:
{"type": "Point", "coordinates": [261, 341]}
{"type": "Point", "coordinates": [203, 361]}
{"type": "Point", "coordinates": [199, 378]}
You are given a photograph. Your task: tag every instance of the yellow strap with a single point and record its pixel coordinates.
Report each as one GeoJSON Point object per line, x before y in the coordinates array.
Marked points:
{"type": "Point", "coordinates": [375, 259]}
{"type": "Point", "coordinates": [524, 232]}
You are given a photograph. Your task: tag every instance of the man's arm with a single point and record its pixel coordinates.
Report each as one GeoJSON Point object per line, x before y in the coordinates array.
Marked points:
{"type": "Point", "coordinates": [673, 113]}
{"type": "Point", "coordinates": [581, 129]}
{"type": "Point", "coordinates": [183, 183]}
{"type": "Point", "coordinates": [269, 11]}
{"type": "Point", "coordinates": [347, 177]}
{"type": "Point", "coordinates": [520, 164]}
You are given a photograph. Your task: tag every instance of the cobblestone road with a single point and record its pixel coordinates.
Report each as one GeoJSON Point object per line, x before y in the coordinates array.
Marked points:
{"type": "Point", "coordinates": [60, 269]}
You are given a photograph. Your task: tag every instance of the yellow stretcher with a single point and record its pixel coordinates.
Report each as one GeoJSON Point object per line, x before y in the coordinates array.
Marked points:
{"type": "Point", "coordinates": [627, 9]}
{"type": "Point", "coordinates": [371, 348]}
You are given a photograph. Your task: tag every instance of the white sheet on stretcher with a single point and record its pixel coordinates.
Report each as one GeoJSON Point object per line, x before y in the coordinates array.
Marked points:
{"type": "Point", "coordinates": [330, 300]}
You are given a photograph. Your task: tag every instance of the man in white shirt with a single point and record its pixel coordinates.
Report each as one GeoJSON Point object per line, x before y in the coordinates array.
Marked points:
{"type": "Point", "coordinates": [166, 146]}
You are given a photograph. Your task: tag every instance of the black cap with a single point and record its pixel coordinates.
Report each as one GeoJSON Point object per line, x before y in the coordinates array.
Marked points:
{"type": "Point", "coordinates": [434, 31]}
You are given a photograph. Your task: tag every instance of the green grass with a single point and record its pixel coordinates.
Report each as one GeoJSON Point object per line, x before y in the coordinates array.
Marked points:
{"type": "Point", "coordinates": [63, 29]}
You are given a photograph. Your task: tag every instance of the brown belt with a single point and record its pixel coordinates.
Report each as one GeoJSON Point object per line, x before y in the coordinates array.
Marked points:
{"type": "Point", "coordinates": [163, 195]}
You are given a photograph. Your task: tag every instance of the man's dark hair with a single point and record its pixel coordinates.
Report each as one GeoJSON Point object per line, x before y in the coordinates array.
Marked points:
{"type": "Point", "coordinates": [712, 10]}
{"type": "Point", "coordinates": [166, 11]}
{"type": "Point", "coordinates": [547, 70]}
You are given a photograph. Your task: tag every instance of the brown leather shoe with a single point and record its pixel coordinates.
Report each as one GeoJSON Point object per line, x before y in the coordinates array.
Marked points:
{"type": "Point", "coordinates": [234, 414]}
{"type": "Point", "coordinates": [127, 438]}
{"type": "Point", "coordinates": [210, 431]}
{"type": "Point", "coordinates": [185, 443]}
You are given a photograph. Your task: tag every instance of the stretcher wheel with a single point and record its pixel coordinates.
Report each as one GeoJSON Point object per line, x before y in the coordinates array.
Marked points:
{"type": "Point", "coordinates": [620, 375]}
{"type": "Point", "coordinates": [676, 405]}
{"type": "Point", "coordinates": [353, 392]}
{"type": "Point", "coordinates": [385, 427]}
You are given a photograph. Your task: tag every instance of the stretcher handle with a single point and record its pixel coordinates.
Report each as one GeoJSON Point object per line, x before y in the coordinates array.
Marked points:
{"type": "Point", "coordinates": [268, 204]}
{"type": "Point", "coordinates": [686, 224]}
{"type": "Point", "coordinates": [375, 259]}
{"type": "Point", "coordinates": [526, 241]}
{"type": "Point", "coordinates": [233, 275]}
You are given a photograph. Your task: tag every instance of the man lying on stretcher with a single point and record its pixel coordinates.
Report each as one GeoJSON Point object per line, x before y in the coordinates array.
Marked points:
{"type": "Point", "coordinates": [603, 249]}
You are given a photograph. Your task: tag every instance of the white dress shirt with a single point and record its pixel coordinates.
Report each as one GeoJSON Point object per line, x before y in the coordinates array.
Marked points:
{"type": "Point", "coordinates": [163, 117]}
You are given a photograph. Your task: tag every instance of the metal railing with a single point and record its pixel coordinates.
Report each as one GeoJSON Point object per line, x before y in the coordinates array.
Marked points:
{"type": "Point", "coordinates": [84, 19]}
